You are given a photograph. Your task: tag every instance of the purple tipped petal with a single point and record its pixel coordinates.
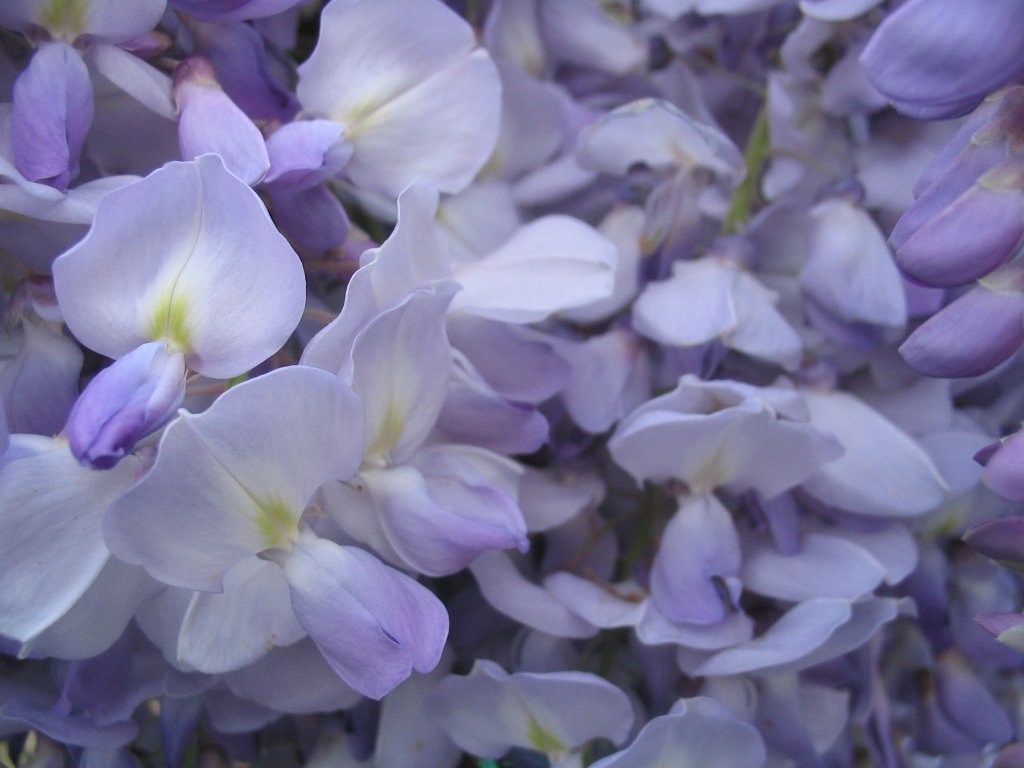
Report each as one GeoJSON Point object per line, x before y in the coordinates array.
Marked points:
{"type": "Point", "coordinates": [373, 624]}
{"type": "Point", "coordinates": [969, 337]}
{"type": "Point", "coordinates": [211, 122]}
{"type": "Point", "coordinates": [52, 113]}
{"type": "Point", "coordinates": [135, 396]}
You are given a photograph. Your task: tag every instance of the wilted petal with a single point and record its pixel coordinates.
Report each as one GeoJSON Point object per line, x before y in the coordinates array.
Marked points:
{"type": "Point", "coordinates": [373, 624]}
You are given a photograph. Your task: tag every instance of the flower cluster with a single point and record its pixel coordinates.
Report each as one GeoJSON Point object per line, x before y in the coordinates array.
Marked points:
{"type": "Point", "coordinates": [423, 384]}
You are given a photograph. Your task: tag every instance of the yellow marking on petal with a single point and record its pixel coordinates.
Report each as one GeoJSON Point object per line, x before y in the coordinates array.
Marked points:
{"type": "Point", "coordinates": [170, 322]}
{"type": "Point", "coordinates": [275, 521]}
{"type": "Point", "coordinates": [64, 19]}
{"type": "Point", "coordinates": [390, 431]}
{"type": "Point", "coordinates": [544, 740]}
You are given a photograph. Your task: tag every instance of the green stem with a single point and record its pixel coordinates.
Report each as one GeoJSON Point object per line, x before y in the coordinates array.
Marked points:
{"type": "Point", "coordinates": [755, 156]}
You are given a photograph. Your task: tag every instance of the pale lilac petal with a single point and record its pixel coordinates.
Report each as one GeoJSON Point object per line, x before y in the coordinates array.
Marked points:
{"type": "Point", "coordinates": [473, 413]}
{"type": "Point", "coordinates": [761, 330]}
{"type": "Point", "coordinates": [656, 629]}
{"type": "Point", "coordinates": [401, 362]}
{"type": "Point", "coordinates": [439, 524]}
{"type": "Point", "coordinates": [294, 679]}
{"type": "Point", "coordinates": [744, 445]}
{"type": "Point", "coordinates": [99, 617]}
{"type": "Point", "coordinates": [139, 79]}
{"type": "Point", "coordinates": [580, 32]}
{"type": "Point", "coordinates": [223, 632]}
{"type": "Point", "coordinates": [539, 372]}
{"type": "Point", "coordinates": [369, 53]}
{"type": "Point", "coordinates": [408, 736]}
{"type": "Point", "coordinates": [111, 21]}
{"type": "Point", "coordinates": [233, 10]}
{"type": "Point", "coordinates": [604, 606]}
{"type": "Point", "coordinates": [699, 547]}
{"type": "Point", "coordinates": [850, 270]}
{"type": "Point", "coordinates": [610, 376]}
{"type": "Point", "coordinates": [414, 98]}
{"type": "Point", "coordinates": [489, 711]}
{"type": "Point", "coordinates": [306, 151]}
{"type": "Point", "coordinates": [697, 731]}
{"type": "Point", "coordinates": [553, 263]}
{"type": "Point", "coordinates": [904, 479]}
{"type": "Point", "coordinates": [414, 255]}
{"type": "Point", "coordinates": [694, 306]}
{"type": "Point", "coordinates": [373, 624]}
{"type": "Point", "coordinates": [442, 129]}
{"type": "Point", "coordinates": [190, 255]}
{"type": "Point", "coordinates": [800, 631]}
{"type": "Point", "coordinates": [509, 592]}
{"type": "Point", "coordinates": [210, 122]}
{"type": "Point", "coordinates": [657, 134]}
{"type": "Point", "coordinates": [825, 566]}
{"type": "Point", "coordinates": [51, 540]}
{"type": "Point", "coordinates": [252, 461]}
{"type": "Point", "coordinates": [552, 497]}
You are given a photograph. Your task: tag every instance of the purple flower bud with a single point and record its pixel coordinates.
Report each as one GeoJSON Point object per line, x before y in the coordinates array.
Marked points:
{"type": "Point", "coordinates": [969, 337]}
{"type": "Point", "coordinates": [973, 235]}
{"type": "Point", "coordinates": [135, 396]}
{"type": "Point", "coordinates": [1001, 540]}
{"type": "Point", "coordinates": [935, 60]}
{"type": "Point", "coordinates": [1004, 475]}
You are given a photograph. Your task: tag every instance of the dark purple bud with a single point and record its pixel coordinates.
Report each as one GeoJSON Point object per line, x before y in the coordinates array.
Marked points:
{"type": "Point", "coordinates": [1004, 472]}
{"type": "Point", "coordinates": [969, 337]}
{"type": "Point", "coordinates": [135, 396]}
{"type": "Point", "coordinates": [52, 112]}
{"type": "Point", "coordinates": [934, 60]}
{"type": "Point", "coordinates": [967, 240]}
{"type": "Point", "coordinates": [1001, 540]}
